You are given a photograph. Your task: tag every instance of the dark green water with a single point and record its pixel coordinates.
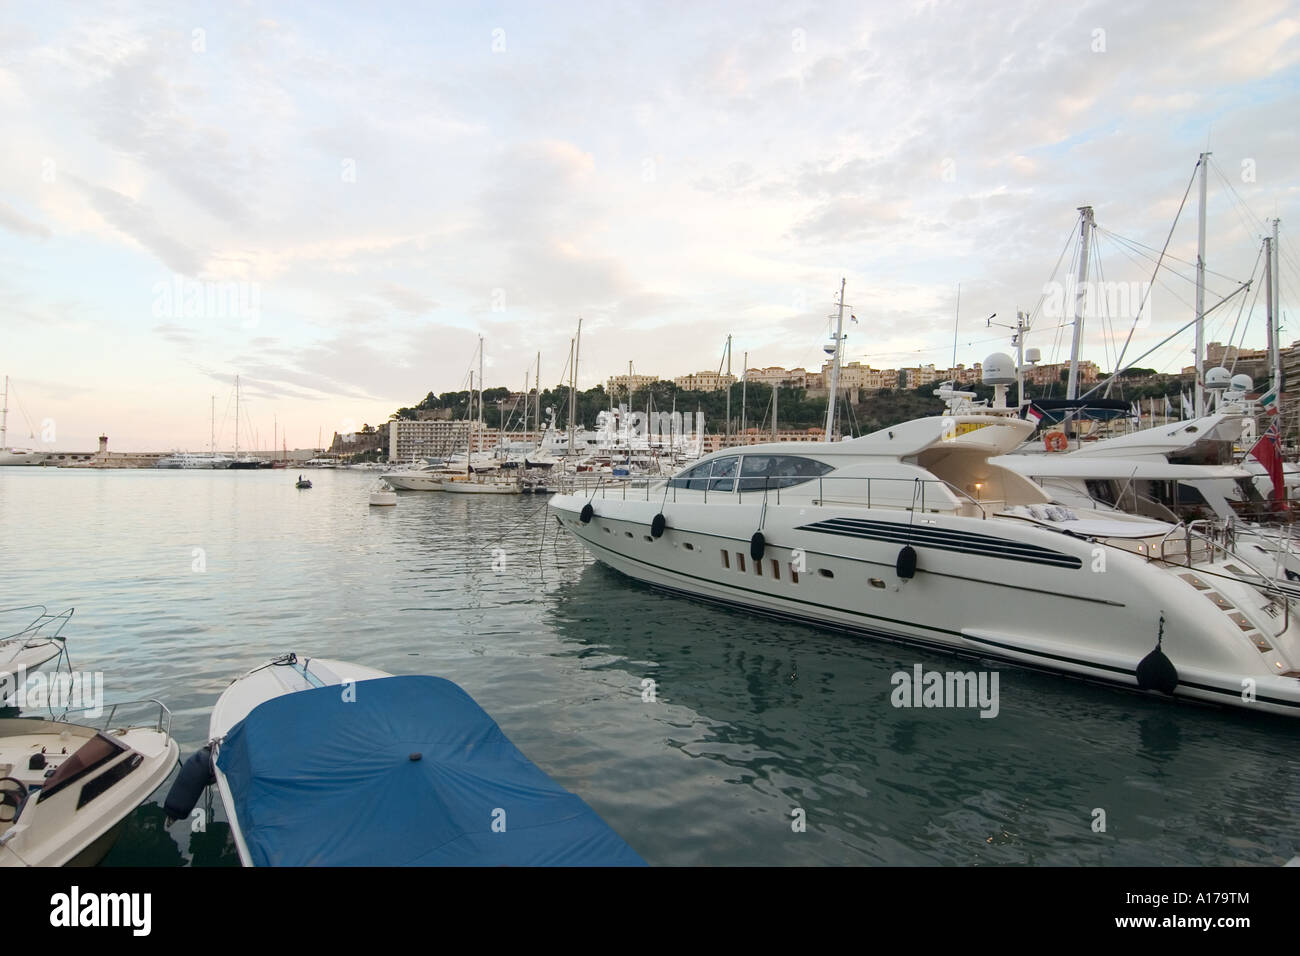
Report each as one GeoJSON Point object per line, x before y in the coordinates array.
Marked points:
{"type": "Point", "coordinates": [752, 718]}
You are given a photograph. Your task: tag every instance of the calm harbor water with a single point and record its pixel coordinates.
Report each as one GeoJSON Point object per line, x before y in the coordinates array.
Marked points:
{"type": "Point", "coordinates": [182, 580]}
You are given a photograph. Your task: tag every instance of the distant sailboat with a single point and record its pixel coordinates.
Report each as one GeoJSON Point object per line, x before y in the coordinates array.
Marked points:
{"type": "Point", "coordinates": [247, 462]}
{"type": "Point", "coordinates": [14, 455]}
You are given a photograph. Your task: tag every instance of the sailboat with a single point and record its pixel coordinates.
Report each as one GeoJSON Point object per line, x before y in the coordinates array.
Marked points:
{"type": "Point", "coordinates": [13, 455]}
{"type": "Point", "coordinates": [470, 482]}
{"type": "Point", "coordinates": [247, 462]}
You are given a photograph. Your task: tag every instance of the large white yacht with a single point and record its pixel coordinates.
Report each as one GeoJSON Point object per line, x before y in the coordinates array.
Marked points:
{"type": "Point", "coordinates": [1182, 471]}
{"type": "Point", "coordinates": [913, 533]}
{"type": "Point", "coordinates": [189, 460]}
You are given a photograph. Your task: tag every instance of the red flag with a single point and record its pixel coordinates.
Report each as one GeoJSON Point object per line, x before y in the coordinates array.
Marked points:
{"type": "Point", "coordinates": [1268, 452]}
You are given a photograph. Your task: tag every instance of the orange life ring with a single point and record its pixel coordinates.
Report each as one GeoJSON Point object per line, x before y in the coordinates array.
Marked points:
{"type": "Point", "coordinates": [1055, 441]}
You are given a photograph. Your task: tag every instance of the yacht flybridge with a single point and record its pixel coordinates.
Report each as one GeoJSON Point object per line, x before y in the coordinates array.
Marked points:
{"type": "Point", "coordinates": [915, 533]}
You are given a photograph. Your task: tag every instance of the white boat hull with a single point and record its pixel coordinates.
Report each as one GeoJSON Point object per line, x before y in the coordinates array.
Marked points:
{"type": "Point", "coordinates": [21, 456]}
{"type": "Point", "coordinates": [414, 481]}
{"type": "Point", "coordinates": [73, 826]}
{"type": "Point", "coordinates": [999, 589]}
{"type": "Point", "coordinates": [470, 487]}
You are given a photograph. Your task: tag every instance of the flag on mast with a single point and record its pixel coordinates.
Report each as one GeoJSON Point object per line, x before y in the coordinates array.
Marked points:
{"type": "Point", "coordinates": [1268, 452]}
{"type": "Point", "coordinates": [1268, 402]}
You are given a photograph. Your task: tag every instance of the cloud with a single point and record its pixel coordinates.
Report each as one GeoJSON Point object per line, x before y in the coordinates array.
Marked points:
{"type": "Point", "coordinates": [669, 186]}
{"type": "Point", "coordinates": [14, 221]}
{"type": "Point", "coordinates": [140, 223]}
{"type": "Point", "coordinates": [406, 300]}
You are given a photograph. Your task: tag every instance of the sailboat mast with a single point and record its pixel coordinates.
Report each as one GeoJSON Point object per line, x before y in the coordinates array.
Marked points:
{"type": "Point", "coordinates": [744, 382]}
{"type": "Point", "coordinates": [236, 418]}
{"type": "Point", "coordinates": [538, 406]}
{"type": "Point", "coordinates": [480, 392]}
{"type": "Point", "coordinates": [1268, 305]}
{"type": "Point", "coordinates": [1275, 328]}
{"type": "Point", "coordinates": [835, 368]}
{"type": "Point", "coordinates": [776, 391]}
{"type": "Point", "coordinates": [1080, 298]}
{"type": "Point", "coordinates": [1200, 291]}
{"type": "Point", "coordinates": [727, 430]}
{"type": "Point", "coordinates": [4, 415]}
{"type": "Point", "coordinates": [570, 396]}
{"type": "Point", "coordinates": [577, 351]}
{"type": "Point", "coordinates": [212, 428]}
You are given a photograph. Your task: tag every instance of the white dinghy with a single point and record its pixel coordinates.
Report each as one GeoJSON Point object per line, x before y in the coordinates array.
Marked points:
{"type": "Point", "coordinates": [66, 788]}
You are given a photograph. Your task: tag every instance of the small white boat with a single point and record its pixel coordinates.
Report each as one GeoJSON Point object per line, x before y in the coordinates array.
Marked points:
{"type": "Point", "coordinates": [34, 645]}
{"type": "Point", "coordinates": [66, 788]}
{"type": "Point", "coordinates": [421, 477]}
{"type": "Point", "coordinates": [327, 763]}
{"type": "Point", "coordinates": [382, 497]}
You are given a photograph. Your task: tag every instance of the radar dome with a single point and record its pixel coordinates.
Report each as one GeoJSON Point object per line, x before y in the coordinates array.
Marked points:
{"type": "Point", "coordinates": [999, 369]}
{"type": "Point", "coordinates": [1218, 378]}
{"type": "Point", "coordinates": [1242, 383]}
{"type": "Point", "coordinates": [1033, 355]}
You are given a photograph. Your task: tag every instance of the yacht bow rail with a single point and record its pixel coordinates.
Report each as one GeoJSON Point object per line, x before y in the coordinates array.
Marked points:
{"type": "Point", "coordinates": [45, 626]}
{"type": "Point", "coordinates": [161, 722]}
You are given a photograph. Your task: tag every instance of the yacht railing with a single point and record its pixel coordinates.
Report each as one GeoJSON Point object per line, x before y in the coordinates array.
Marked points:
{"type": "Point", "coordinates": [1200, 545]}
{"type": "Point", "coordinates": [162, 722]}
{"type": "Point", "coordinates": [634, 487]}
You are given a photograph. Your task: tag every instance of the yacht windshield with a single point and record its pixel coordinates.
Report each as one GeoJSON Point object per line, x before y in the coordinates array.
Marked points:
{"type": "Point", "coordinates": [778, 471]}
{"type": "Point", "coordinates": [750, 473]}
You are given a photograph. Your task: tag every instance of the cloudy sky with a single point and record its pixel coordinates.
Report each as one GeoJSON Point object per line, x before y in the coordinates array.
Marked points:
{"type": "Point", "coordinates": [333, 201]}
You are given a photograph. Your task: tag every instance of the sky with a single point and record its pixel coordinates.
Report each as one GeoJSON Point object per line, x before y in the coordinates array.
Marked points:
{"type": "Point", "coordinates": [334, 201]}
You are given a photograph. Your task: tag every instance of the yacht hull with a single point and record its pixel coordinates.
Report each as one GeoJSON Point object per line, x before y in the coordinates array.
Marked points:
{"type": "Point", "coordinates": [995, 589]}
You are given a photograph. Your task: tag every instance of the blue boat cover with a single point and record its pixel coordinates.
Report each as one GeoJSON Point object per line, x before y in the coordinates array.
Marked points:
{"type": "Point", "coordinates": [323, 781]}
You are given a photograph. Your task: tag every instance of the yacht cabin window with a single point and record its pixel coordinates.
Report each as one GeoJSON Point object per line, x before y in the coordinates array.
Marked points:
{"type": "Point", "coordinates": [756, 472]}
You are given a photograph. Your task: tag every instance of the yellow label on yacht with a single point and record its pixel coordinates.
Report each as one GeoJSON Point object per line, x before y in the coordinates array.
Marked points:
{"type": "Point", "coordinates": [964, 428]}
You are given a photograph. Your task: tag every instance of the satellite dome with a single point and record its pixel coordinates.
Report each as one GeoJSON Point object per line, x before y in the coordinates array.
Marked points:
{"type": "Point", "coordinates": [1242, 383]}
{"type": "Point", "coordinates": [1033, 355]}
{"type": "Point", "coordinates": [829, 348]}
{"type": "Point", "coordinates": [1218, 378]}
{"type": "Point", "coordinates": [999, 369]}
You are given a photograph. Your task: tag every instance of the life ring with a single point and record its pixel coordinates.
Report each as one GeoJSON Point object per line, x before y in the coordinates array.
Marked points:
{"type": "Point", "coordinates": [1055, 441]}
